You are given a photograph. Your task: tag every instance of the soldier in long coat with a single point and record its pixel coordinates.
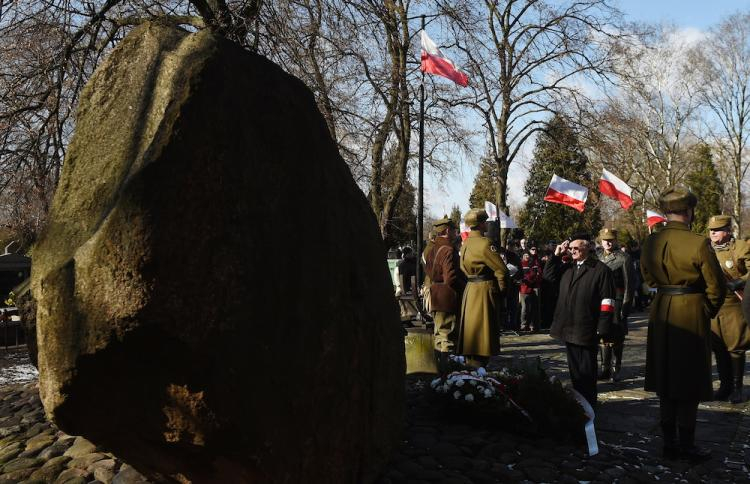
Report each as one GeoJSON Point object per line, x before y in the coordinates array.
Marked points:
{"type": "Point", "coordinates": [621, 267]}
{"type": "Point", "coordinates": [446, 289]}
{"type": "Point", "coordinates": [483, 301]}
{"type": "Point", "coordinates": [426, 254]}
{"type": "Point", "coordinates": [690, 290]}
{"type": "Point", "coordinates": [731, 336]}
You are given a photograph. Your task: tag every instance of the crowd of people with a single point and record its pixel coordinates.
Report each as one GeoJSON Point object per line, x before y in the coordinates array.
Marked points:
{"type": "Point", "coordinates": [583, 290]}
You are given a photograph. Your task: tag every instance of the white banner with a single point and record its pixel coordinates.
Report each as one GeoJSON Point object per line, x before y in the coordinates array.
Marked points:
{"type": "Point", "coordinates": [491, 210]}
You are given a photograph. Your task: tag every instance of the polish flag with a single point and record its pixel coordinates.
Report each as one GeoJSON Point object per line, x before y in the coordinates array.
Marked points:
{"type": "Point", "coordinates": [607, 306]}
{"type": "Point", "coordinates": [567, 193]}
{"type": "Point", "coordinates": [613, 187]}
{"type": "Point", "coordinates": [653, 218]}
{"type": "Point", "coordinates": [434, 62]}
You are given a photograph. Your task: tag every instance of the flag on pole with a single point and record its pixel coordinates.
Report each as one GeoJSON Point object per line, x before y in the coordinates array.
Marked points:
{"type": "Point", "coordinates": [491, 210]}
{"type": "Point", "coordinates": [653, 218]}
{"type": "Point", "coordinates": [613, 187]}
{"type": "Point", "coordinates": [506, 222]}
{"type": "Point", "coordinates": [567, 193]}
{"type": "Point", "coordinates": [434, 62]}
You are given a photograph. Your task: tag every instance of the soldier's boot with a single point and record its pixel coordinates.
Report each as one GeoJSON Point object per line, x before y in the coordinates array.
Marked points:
{"type": "Point", "coordinates": [724, 367]}
{"type": "Point", "coordinates": [670, 450]}
{"type": "Point", "coordinates": [617, 349]}
{"type": "Point", "coordinates": [738, 375]}
{"type": "Point", "coordinates": [688, 450]}
{"type": "Point", "coordinates": [442, 360]}
{"type": "Point", "coordinates": [605, 352]}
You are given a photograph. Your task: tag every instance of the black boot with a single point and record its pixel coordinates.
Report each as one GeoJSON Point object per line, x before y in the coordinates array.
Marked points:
{"type": "Point", "coordinates": [617, 352]}
{"type": "Point", "coordinates": [441, 362]}
{"type": "Point", "coordinates": [688, 450]}
{"type": "Point", "coordinates": [605, 352]}
{"type": "Point", "coordinates": [724, 367]}
{"type": "Point", "coordinates": [738, 375]}
{"type": "Point", "coordinates": [670, 450]}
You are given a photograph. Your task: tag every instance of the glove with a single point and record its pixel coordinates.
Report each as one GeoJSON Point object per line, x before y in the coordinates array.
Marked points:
{"type": "Point", "coordinates": [735, 285]}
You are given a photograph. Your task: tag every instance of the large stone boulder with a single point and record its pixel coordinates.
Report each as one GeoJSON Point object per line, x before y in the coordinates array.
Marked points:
{"type": "Point", "coordinates": [214, 303]}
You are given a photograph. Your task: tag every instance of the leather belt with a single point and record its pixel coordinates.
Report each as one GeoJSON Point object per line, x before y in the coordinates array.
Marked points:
{"type": "Point", "coordinates": [679, 290]}
{"type": "Point", "coordinates": [480, 278]}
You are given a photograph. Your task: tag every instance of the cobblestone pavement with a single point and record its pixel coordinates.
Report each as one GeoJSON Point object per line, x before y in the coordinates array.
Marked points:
{"type": "Point", "coordinates": [437, 451]}
{"type": "Point", "coordinates": [33, 451]}
{"type": "Point", "coordinates": [626, 424]}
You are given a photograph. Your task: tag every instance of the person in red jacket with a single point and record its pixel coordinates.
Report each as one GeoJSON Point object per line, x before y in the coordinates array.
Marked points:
{"type": "Point", "coordinates": [530, 282]}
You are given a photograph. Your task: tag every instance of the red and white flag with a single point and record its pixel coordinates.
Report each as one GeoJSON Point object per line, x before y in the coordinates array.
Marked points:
{"type": "Point", "coordinates": [653, 218]}
{"type": "Point", "coordinates": [464, 231]}
{"type": "Point", "coordinates": [567, 193]}
{"type": "Point", "coordinates": [613, 187]}
{"type": "Point", "coordinates": [607, 306]}
{"type": "Point", "coordinates": [434, 62]}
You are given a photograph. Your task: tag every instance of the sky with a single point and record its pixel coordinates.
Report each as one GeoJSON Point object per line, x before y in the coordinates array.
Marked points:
{"type": "Point", "coordinates": [692, 16]}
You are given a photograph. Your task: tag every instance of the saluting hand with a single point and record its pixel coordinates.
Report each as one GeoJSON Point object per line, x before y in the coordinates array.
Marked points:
{"type": "Point", "coordinates": [562, 248]}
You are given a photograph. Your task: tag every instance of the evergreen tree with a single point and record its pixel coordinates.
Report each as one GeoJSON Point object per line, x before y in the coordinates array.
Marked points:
{"type": "Point", "coordinates": [456, 215]}
{"type": "Point", "coordinates": [558, 152]}
{"type": "Point", "coordinates": [485, 185]}
{"type": "Point", "coordinates": [704, 182]}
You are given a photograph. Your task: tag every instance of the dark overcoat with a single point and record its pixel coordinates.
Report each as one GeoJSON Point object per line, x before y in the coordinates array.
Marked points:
{"type": "Point", "coordinates": [678, 353]}
{"type": "Point", "coordinates": [578, 316]}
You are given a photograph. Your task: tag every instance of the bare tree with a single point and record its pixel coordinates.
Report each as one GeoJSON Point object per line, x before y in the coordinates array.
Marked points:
{"type": "Point", "coordinates": [724, 62]}
{"type": "Point", "coordinates": [528, 60]}
{"type": "Point", "coordinates": [652, 112]}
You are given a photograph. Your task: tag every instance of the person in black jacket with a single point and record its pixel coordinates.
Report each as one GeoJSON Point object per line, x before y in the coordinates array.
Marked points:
{"type": "Point", "coordinates": [584, 310]}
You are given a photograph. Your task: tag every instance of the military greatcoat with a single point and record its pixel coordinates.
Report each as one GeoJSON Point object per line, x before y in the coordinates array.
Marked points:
{"type": "Point", "coordinates": [678, 354]}
{"type": "Point", "coordinates": [730, 325]}
{"type": "Point", "coordinates": [622, 275]}
{"type": "Point", "coordinates": [483, 300]}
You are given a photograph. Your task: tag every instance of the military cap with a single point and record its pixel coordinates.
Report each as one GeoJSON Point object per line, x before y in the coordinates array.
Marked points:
{"type": "Point", "coordinates": [677, 199]}
{"type": "Point", "coordinates": [475, 216]}
{"type": "Point", "coordinates": [443, 221]}
{"type": "Point", "coordinates": [608, 234]}
{"type": "Point", "coordinates": [719, 222]}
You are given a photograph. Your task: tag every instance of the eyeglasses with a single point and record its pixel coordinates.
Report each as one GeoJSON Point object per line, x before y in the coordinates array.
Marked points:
{"type": "Point", "coordinates": [577, 249]}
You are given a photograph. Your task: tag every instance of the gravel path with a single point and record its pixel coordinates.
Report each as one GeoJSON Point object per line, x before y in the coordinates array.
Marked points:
{"type": "Point", "coordinates": [434, 450]}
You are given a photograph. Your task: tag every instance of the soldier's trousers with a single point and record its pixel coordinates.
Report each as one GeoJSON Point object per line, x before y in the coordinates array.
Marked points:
{"type": "Point", "coordinates": [582, 367]}
{"type": "Point", "coordinates": [445, 332]}
{"type": "Point", "coordinates": [679, 412]}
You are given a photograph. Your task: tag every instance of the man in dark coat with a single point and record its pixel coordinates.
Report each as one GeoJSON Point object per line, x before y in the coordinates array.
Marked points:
{"type": "Point", "coordinates": [584, 310]}
{"type": "Point", "coordinates": [690, 290]}
{"type": "Point", "coordinates": [447, 287]}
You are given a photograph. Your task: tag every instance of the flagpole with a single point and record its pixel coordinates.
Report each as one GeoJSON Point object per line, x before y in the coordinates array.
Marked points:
{"type": "Point", "coordinates": [420, 186]}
